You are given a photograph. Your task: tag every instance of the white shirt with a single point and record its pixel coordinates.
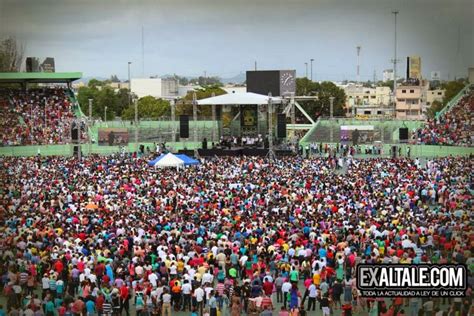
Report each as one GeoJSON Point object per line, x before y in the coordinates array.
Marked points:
{"type": "Point", "coordinates": [199, 294]}
{"type": "Point", "coordinates": [286, 287]}
{"type": "Point", "coordinates": [313, 291]}
{"type": "Point", "coordinates": [152, 278]}
{"type": "Point", "coordinates": [45, 283]}
{"type": "Point", "coordinates": [186, 288]}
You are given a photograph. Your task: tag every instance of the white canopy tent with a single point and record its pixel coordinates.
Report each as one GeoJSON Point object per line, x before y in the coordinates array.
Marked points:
{"type": "Point", "coordinates": [169, 160]}
{"type": "Point", "coordinates": [241, 98]}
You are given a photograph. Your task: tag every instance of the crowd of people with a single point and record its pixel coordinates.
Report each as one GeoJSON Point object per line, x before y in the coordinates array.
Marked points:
{"type": "Point", "coordinates": [108, 235]}
{"type": "Point", "coordinates": [454, 128]}
{"type": "Point", "coordinates": [35, 117]}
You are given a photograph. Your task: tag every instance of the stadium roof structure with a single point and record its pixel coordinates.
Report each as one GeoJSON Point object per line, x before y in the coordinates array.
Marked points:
{"type": "Point", "coordinates": [39, 77]}
{"type": "Point", "coordinates": [239, 99]}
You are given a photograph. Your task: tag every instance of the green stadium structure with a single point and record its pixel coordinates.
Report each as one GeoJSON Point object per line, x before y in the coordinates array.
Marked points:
{"type": "Point", "coordinates": [386, 132]}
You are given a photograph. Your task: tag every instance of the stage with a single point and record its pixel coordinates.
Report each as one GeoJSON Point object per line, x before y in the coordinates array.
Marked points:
{"type": "Point", "coordinates": [239, 151]}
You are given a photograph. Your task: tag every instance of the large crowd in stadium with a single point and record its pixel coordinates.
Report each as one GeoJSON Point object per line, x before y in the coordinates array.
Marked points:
{"type": "Point", "coordinates": [109, 235]}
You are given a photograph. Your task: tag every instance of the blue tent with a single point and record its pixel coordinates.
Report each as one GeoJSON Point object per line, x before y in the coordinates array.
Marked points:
{"type": "Point", "coordinates": [154, 161]}
{"type": "Point", "coordinates": [188, 161]}
{"type": "Point", "coordinates": [181, 158]}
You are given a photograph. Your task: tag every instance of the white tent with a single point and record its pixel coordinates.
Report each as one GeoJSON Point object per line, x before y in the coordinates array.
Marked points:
{"type": "Point", "coordinates": [169, 160]}
{"type": "Point", "coordinates": [239, 98]}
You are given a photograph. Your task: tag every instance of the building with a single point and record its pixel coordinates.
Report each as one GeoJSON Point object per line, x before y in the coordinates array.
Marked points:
{"type": "Point", "coordinates": [471, 75]}
{"type": "Point", "coordinates": [434, 95]}
{"type": "Point", "coordinates": [364, 101]}
{"type": "Point", "coordinates": [155, 87]}
{"type": "Point", "coordinates": [234, 89]}
{"type": "Point", "coordinates": [119, 85]}
{"type": "Point", "coordinates": [411, 100]}
{"type": "Point", "coordinates": [387, 75]}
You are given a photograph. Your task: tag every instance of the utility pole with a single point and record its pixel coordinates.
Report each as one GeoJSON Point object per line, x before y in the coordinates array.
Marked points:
{"type": "Point", "coordinates": [375, 77]}
{"type": "Point", "coordinates": [255, 65]}
{"type": "Point", "coordinates": [306, 66]}
{"type": "Point", "coordinates": [311, 60]}
{"type": "Point", "coordinates": [358, 64]}
{"type": "Point", "coordinates": [205, 77]}
{"type": "Point", "coordinates": [395, 13]}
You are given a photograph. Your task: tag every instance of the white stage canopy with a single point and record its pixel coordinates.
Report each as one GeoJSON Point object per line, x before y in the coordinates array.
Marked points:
{"type": "Point", "coordinates": [238, 99]}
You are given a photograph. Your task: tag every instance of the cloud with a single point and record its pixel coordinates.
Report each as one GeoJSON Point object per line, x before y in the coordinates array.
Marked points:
{"type": "Point", "coordinates": [219, 36]}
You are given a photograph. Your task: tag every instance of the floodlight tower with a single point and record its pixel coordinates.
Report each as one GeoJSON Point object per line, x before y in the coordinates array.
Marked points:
{"type": "Point", "coordinates": [358, 64]}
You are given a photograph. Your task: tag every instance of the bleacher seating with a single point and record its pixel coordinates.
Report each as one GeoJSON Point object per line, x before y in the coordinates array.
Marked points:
{"type": "Point", "coordinates": [35, 117]}
{"type": "Point", "coordinates": [454, 128]}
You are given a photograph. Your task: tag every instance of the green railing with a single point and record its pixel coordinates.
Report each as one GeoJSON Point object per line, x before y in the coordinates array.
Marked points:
{"type": "Point", "coordinates": [86, 149]}
{"type": "Point", "coordinates": [421, 151]}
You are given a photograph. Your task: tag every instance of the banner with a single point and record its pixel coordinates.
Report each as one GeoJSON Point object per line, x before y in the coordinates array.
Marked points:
{"type": "Point", "coordinates": [113, 136]}
{"type": "Point", "coordinates": [414, 70]}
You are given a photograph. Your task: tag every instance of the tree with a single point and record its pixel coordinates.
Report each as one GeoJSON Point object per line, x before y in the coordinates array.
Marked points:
{"type": "Point", "coordinates": [452, 88]}
{"type": "Point", "coordinates": [186, 107]}
{"type": "Point", "coordinates": [435, 107]}
{"type": "Point", "coordinates": [83, 96]}
{"type": "Point", "coordinates": [323, 91]}
{"type": "Point", "coordinates": [11, 55]}
{"type": "Point", "coordinates": [148, 107]}
{"type": "Point", "coordinates": [93, 83]}
{"type": "Point", "coordinates": [209, 81]}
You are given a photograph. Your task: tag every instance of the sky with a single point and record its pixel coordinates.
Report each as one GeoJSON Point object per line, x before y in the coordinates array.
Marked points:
{"type": "Point", "coordinates": [224, 38]}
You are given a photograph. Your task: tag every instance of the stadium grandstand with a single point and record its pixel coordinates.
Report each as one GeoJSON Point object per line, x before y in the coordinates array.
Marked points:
{"type": "Point", "coordinates": [41, 112]}
{"type": "Point", "coordinates": [452, 127]}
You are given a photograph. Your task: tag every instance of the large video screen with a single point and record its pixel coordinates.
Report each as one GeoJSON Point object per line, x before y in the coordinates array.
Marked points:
{"type": "Point", "coordinates": [359, 134]}
{"type": "Point", "coordinates": [113, 136]}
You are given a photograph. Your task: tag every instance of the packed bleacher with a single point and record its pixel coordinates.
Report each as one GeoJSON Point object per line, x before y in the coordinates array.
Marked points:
{"type": "Point", "coordinates": [454, 128]}
{"type": "Point", "coordinates": [35, 117]}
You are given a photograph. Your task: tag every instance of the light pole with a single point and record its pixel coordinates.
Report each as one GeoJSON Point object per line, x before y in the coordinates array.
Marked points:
{"type": "Point", "coordinates": [136, 125]}
{"type": "Point", "coordinates": [395, 13]}
{"type": "Point", "coordinates": [270, 125]}
{"type": "Point", "coordinates": [90, 124]}
{"type": "Point", "coordinates": [105, 115]}
{"type": "Point", "coordinates": [331, 116]}
{"type": "Point", "coordinates": [311, 60]}
{"type": "Point", "coordinates": [129, 85]}
{"type": "Point", "coordinates": [195, 135]}
{"type": "Point", "coordinates": [358, 64]}
{"type": "Point", "coordinates": [306, 66]}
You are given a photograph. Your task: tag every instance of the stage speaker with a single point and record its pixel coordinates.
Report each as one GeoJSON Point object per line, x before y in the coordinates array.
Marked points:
{"type": "Point", "coordinates": [204, 143]}
{"type": "Point", "coordinates": [76, 150]}
{"type": "Point", "coordinates": [74, 132]}
{"type": "Point", "coordinates": [394, 151]}
{"type": "Point", "coordinates": [403, 134]}
{"type": "Point", "coordinates": [281, 126]}
{"type": "Point", "coordinates": [184, 126]}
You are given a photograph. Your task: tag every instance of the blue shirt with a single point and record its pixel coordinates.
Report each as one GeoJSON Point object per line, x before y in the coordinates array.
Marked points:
{"type": "Point", "coordinates": [90, 307]}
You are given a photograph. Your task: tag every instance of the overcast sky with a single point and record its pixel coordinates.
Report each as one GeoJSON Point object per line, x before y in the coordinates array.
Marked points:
{"type": "Point", "coordinates": [223, 37]}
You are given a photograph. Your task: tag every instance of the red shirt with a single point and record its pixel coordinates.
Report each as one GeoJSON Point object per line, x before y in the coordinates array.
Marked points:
{"type": "Point", "coordinates": [124, 292]}
{"type": "Point", "coordinates": [268, 288]}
